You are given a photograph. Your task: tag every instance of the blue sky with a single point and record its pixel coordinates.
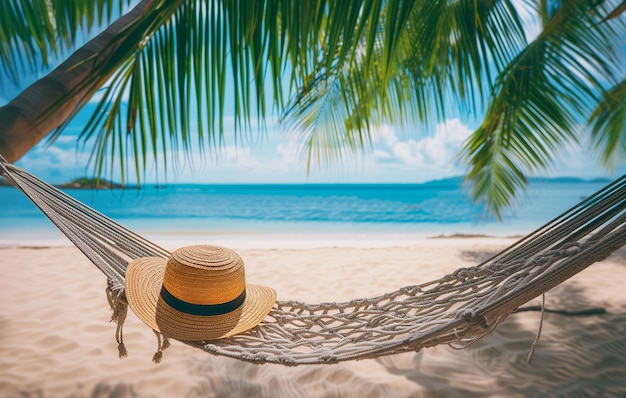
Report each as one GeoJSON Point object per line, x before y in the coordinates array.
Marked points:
{"type": "Point", "coordinates": [397, 156]}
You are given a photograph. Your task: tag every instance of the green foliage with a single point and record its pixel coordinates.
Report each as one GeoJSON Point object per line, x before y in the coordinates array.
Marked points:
{"type": "Point", "coordinates": [608, 122]}
{"type": "Point", "coordinates": [541, 100]}
{"type": "Point", "coordinates": [172, 72]}
{"type": "Point", "coordinates": [443, 53]}
{"type": "Point", "coordinates": [334, 70]}
{"type": "Point", "coordinates": [34, 32]}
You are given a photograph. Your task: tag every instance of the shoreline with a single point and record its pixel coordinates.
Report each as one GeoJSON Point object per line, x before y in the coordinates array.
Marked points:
{"type": "Point", "coordinates": [170, 234]}
{"type": "Point", "coordinates": [281, 241]}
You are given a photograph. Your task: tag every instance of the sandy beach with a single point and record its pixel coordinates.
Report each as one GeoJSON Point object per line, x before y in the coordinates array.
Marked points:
{"type": "Point", "coordinates": [56, 339]}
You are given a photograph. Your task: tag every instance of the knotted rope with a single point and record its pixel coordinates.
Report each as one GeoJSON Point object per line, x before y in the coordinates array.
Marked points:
{"type": "Point", "coordinates": [457, 309]}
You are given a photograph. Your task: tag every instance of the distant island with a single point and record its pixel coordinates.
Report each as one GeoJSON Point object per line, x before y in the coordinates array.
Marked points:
{"type": "Point", "coordinates": [532, 179]}
{"type": "Point", "coordinates": [90, 183]}
{"type": "Point", "coordinates": [82, 183]}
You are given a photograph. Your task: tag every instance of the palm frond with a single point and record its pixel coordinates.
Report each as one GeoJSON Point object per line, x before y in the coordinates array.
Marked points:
{"type": "Point", "coordinates": [332, 119]}
{"type": "Point", "coordinates": [539, 103]}
{"type": "Point", "coordinates": [333, 114]}
{"type": "Point", "coordinates": [457, 48]}
{"type": "Point", "coordinates": [608, 125]}
{"type": "Point", "coordinates": [333, 71]}
{"type": "Point", "coordinates": [616, 12]}
{"type": "Point", "coordinates": [190, 61]}
{"type": "Point", "coordinates": [405, 72]}
{"type": "Point", "coordinates": [34, 33]}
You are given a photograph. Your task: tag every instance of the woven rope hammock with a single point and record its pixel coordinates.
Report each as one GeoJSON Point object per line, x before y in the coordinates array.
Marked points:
{"type": "Point", "coordinates": [457, 309]}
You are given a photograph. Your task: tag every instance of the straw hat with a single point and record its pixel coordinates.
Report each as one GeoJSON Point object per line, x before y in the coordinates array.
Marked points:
{"type": "Point", "coordinates": [199, 293]}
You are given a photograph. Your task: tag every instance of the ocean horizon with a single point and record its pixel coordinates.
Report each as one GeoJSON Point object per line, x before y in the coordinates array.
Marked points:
{"type": "Point", "coordinates": [316, 211]}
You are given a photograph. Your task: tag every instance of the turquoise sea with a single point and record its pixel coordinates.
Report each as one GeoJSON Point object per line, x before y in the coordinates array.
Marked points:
{"type": "Point", "coordinates": [341, 211]}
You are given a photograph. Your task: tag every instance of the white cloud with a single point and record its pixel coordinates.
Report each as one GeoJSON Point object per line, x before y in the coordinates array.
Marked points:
{"type": "Point", "coordinates": [286, 160]}
{"type": "Point", "coordinates": [530, 18]}
{"type": "Point", "coordinates": [233, 164]}
{"type": "Point", "coordinates": [226, 164]}
{"type": "Point", "coordinates": [288, 154]}
{"type": "Point", "coordinates": [579, 160]}
{"type": "Point", "coordinates": [395, 157]}
{"type": "Point", "coordinates": [55, 164]}
{"type": "Point", "coordinates": [436, 151]}
{"type": "Point", "coordinates": [382, 154]}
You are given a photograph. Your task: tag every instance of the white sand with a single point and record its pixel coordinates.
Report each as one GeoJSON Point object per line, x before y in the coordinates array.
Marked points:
{"type": "Point", "coordinates": [56, 341]}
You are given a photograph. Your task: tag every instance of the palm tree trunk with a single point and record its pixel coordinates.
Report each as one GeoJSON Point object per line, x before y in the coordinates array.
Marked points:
{"type": "Point", "coordinates": [21, 124]}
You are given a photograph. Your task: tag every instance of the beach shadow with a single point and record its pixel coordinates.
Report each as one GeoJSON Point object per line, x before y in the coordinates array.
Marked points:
{"type": "Point", "coordinates": [619, 256]}
{"type": "Point", "coordinates": [478, 256]}
{"type": "Point", "coordinates": [581, 356]}
{"type": "Point", "coordinates": [584, 360]}
{"type": "Point", "coordinates": [576, 355]}
{"type": "Point", "coordinates": [31, 394]}
{"type": "Point", "coordinates": [224, 377]}
{"type": "Point", "coordinates": [567, 297]}
{"type": "Point", "coordinates": [434, 380]}
{"type": "Point", "coordinates": [585, 355]}
{"type": "Point", "coordinates": [120, 390]}
{"type": "Point", "coordinates": [101, 390]}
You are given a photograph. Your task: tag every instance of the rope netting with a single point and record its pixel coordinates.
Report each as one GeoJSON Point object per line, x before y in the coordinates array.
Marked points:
{"type": "Point", "coordinates": [457, 309]}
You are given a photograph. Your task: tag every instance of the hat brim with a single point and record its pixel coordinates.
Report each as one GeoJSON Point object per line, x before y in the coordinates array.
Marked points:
{"type": "Point", "coordinates": [144, 278]}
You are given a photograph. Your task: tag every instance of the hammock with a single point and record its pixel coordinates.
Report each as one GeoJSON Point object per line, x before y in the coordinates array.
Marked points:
{"type": "Point", "coordinates": [457, 309]}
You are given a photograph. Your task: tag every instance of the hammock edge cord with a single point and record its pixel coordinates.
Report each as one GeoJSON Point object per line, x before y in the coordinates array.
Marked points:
{"type": "Point", "coordinates": [458, 308]}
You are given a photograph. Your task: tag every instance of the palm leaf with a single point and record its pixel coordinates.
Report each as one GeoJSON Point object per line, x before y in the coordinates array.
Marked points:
{"type": "Point", "coordinates": [201, 55]}
{"type": "Point", "coordinates": [458, 47]}
{"type": "Point", "coordinates": [608, 125]}
{"type": "Point", "coordinates": [539, 103]}
{"type": "Point", "coordinates": [33, 33]}
{"type": "Point", "coordinates": [333, 71]}
{"type": "Point", "coordinates": [409, 72]}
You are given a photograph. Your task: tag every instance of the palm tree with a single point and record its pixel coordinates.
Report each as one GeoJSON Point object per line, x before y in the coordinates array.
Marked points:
{"type": "Point", "coordinates": [334, 71]}
{"type": "Point", "coordinates": [29, 31]}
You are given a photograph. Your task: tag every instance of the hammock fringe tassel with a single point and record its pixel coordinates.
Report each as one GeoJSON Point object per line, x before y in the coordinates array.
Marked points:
{"type": "Point", "coordinates": [119, 308]}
